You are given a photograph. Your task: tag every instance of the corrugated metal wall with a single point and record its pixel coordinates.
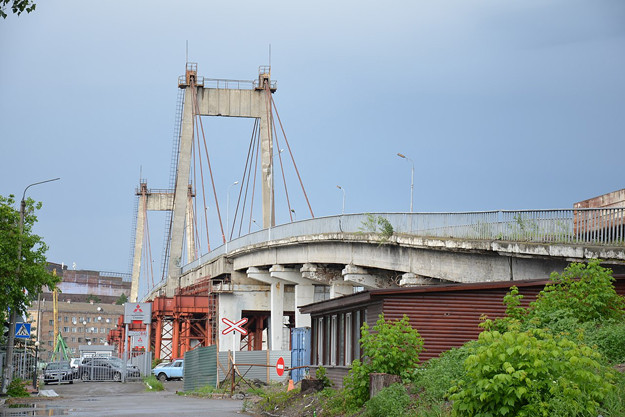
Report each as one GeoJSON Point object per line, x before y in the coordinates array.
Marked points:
{"type": "Point", "coordinates": [449, 319]}
{"type": "Point", "coordinates": [200, 368]}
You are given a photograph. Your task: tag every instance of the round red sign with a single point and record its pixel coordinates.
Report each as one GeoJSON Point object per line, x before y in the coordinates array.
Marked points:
{"type": "Point", "coordinates": [280, 366]}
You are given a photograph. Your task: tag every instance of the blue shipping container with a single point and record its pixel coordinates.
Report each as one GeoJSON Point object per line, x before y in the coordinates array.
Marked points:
{"type": "Point", "coordinates": [300, 352]}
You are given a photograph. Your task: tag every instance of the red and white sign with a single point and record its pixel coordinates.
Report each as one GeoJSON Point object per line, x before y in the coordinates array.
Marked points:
{"type": "Point", "coordinates": [280, 366]}
{"type": "Point", "coordinates": [232, 326]}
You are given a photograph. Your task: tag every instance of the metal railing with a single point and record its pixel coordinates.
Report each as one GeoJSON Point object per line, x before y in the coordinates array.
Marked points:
{"type": "Point", "coordinates": [603, 227]}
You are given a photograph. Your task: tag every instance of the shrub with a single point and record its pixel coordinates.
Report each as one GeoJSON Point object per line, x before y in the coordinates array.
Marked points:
{"type": "Point", "coordinates": [530, 373]}
{"type": "Point", "coordinates": [16, 389]}
{"type": "Point", "coordinates": [392, 401]}
{"type": "Point", "coordinates": [609, 339]}
{"type": "Point", "coordinates": [437, 375]}
{"type": "Point", "coordinates": [321, 376]}
{"type": "Point", "coordinates": [584, 291]}
{"type": "Point", "coordinates": [392, 348]}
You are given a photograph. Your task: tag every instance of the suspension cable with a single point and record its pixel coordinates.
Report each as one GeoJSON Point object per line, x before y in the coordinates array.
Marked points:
{"type": "Point", "coordinates": [292, 158]}
{"type": "Point", "coordinates": [210, 170]}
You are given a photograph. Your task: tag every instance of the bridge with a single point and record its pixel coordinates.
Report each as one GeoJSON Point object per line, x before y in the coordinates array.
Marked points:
{"type": "Point", "coordinates": [268, 274]}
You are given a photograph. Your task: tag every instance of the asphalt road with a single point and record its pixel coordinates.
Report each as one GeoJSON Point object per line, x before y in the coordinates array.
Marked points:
{"type": "Point", "coordinates": [117, 399]}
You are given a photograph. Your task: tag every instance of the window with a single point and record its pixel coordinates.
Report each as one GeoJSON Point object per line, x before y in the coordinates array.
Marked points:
{"type": "Point", "coordinates": [73, 330]}
{"type": "Point", "coordinates": [88, 319]}
{"type": "Point", "coordinates": [73, 339]}
{"type": "Point", "coordinates": [51, 322]}
{"type": "Point", "coordinates": [348, 339]}
{"type": "Point", "coordinates": [333, 344]}
{"type": "Point", "coordinates": [80, 340]}
{"type": "Point", "coordinates": [49, 342]}
{"type": "Point", "coordinates": [65, 319]}
{"type": "Point", "coordinates": [320, 340]}
{"type": "Point", "coordinates": [66, 329]}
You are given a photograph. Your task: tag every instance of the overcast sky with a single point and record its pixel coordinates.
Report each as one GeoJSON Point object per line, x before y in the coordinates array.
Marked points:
{"type": "Point", "coordinates": [500, 104]}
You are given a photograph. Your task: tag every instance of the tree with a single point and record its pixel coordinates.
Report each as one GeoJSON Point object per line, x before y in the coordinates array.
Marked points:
{"type": "Point", "coordinates": [391, 347]}
{"type": "Point", "coordinates": [17, 7]}
{"type": "Point", "coordinates": [22, 279]}
{"type": "Point", "coordinates": [121, 300]}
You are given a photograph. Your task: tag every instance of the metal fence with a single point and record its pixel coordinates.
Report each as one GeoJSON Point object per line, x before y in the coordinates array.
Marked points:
{"type": "Point", "coordinates": [108, 368]}
{"type": "Point", "coordinates": [605, 227]}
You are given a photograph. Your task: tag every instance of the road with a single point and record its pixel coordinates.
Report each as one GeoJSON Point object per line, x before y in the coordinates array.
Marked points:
{"type": "Point", "coordinates": [120, 400]}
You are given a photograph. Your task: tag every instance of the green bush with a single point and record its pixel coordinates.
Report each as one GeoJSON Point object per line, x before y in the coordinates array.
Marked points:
{"type": "Point", "coordinates": [585, 291]}
{"type": "Point", "coordinates": [391, 348]}
{"type": "Point", "coordinates": [609, 338]}
{"type": "Point", "coordinates": [321, 375]}
{"type": "Point", "coordinates": [16, 389]}
{"type": "Point", "coordinates": [392, 401]}
{"type": "Point", "coordinates": [531, 374]}
{"type": "Point", "coordinates": [436, 376]}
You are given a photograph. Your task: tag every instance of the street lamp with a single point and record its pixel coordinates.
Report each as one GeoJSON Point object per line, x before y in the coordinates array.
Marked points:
{"type": "Point", "coordinates": [411, 177]}
{"type": "Point", "coordinates": [294, 214]}
{"type": "Point", "coordinates": [228, 213]}
{"type": "Point", "coordinates": [342, 189]}
{"type": "Point", "coordinates": [36, 360]}
{"type": "Point", "coordinates": [8, 370]}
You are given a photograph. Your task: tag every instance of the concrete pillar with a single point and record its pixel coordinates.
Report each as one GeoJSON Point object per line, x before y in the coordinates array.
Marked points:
{"type": "Point", "coordinates": [277, 315]}
{"type": "Point", "coordinates": [276, 305]}
{"type": "Point", "coordinates": [410, 279]}
{"type": "Point", "coordinates": [136, 260]}
{"type": "Point", "coordinates": [180, 198]}
{"type": "Point", "coordinates": [189, 232]}
{"type": "Point", "coordinates": [304, 291]}
{"type": "Point", "coordinates": [228, 308]}
{"type": "Point", "coordinates": [360, 277]}
{"type": "Point", "coordinates": [266, 152]}
{"type": "Point", "coordinates": [339, 288]}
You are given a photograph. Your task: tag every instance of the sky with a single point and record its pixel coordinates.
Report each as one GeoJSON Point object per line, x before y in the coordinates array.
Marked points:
{"type": "Point", "coordinates": [499, 105]}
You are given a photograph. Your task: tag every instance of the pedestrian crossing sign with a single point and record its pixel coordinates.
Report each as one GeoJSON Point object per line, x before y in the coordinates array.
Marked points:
{"type": "Point", "coordinates": [22, 330]}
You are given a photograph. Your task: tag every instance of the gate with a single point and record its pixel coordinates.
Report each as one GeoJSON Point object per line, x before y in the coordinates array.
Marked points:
{"type": "Point", "coordinates": [107, 368]}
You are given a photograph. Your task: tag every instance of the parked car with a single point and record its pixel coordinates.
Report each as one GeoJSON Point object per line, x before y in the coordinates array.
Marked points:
{"type": "Point", "coordinates": [106, 369]}
{"type": "Point", "coordinates": [74, 362]}
{"type": "Point", "coordinates": [59, 372]}
{"type": "Point", "coordinates": [172, 370]}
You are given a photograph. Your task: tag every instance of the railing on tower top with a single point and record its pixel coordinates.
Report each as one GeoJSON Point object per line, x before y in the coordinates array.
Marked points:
{"type": "Point", "coordinates": [226, 84]}
{"type": "Point", "coordinates": [604, 227]}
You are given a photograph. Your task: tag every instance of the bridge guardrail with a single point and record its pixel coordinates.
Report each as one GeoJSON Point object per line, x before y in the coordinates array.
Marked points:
{"type": "Point", "coordinates": [605, 226]}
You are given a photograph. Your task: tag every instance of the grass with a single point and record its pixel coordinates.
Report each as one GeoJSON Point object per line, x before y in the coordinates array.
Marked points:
{"type": "Point", "coordinates": [153, 384]}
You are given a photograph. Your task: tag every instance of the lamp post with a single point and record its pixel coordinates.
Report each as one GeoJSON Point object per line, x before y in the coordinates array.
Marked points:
{"type": "Point", "coordinates": [36, 362]}
{"type": "Point", "coordinates": [8, 370]}
{"type": "Point", "coordinates": [342, 189]}
{"type": "Point", "coordinates": [294, 214]}
{"type": "Point", "coordinates": [411, 177]}
{"type": "Point", "coordinates": [228, 213]}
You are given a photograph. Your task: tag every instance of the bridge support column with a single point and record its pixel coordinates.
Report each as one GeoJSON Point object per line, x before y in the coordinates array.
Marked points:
{"type": "Point", "coordinates": [339, 288]}
{"type": "Point", "coordinates": [304, 291]}
{"type": "Point", "coordinates": [360, 277]}
{"type": "Point", "coordinates": [230, 309]}
{"type": "Point", "coordinates": [276, 323]}
{"type": "Point", "coordinates": [410, 279]}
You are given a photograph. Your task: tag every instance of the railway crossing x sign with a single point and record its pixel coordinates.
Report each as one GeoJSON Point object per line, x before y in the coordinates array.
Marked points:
{"type": "Point", "coordinates": [234, 326]}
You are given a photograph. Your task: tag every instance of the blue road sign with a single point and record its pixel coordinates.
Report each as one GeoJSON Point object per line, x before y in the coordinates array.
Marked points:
{"type": "Point", "coordinates": [22, 330]}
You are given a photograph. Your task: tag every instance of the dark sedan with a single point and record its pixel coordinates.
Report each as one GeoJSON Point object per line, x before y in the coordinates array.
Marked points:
{"type": "Point", "coordinates": [58, 372]}
{"type": "Point", "coordinates": [105, 369]}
